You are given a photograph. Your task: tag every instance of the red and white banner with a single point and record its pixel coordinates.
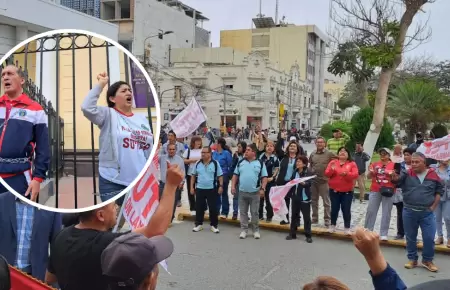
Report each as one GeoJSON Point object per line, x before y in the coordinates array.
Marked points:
{"type": "Point", "coordinates": [277, 194]}
{"type": "Point", "coordinates": [22, 281]}
{"type": "Point", "coordinates": [186, 122]}
{"type": "Point", "coordinates": [438, 149]}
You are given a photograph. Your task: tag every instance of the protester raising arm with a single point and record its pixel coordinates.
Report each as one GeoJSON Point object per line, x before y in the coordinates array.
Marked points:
{"type": "Point", "coordinates": [160, 221]}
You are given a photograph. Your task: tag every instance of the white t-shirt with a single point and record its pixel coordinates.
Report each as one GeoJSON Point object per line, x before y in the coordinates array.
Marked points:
{"type": "Point", "coordinates": [194, 154]}
{"type": "Point", "coordinates": [135, 141]}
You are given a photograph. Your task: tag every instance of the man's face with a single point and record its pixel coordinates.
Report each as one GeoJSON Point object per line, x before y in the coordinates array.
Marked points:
{"type": "Point", "coordinates": [418, 164]}
{"type": "Point", "coordinates": [171, 150]}
{"type": "Point", "coordinates": [206, 154]}
{"type": "Point", "coordinates": [249, 153]}
{"type": "Point", "coordinates": [320, 144]}
{"type": "Point", "coordinates": [12, 81]}
{"type": "Point", "coordinates": [171, 137]}
{"type": "Point", "coordinates": [336, 134]}
{"type": "Point", "coordinates": [359, 148]}
{"type": "Point", "coordinates": [407, 157]}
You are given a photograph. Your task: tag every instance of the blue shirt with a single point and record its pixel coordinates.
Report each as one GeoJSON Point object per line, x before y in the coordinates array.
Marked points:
{"type": "Point", "coordinates": [225, 160]}
{"type": "Point", "coordinates": [205, 174]}
{"type": "Point", "coordinates": [290, 169]}
{"type": "Point", "coordinates": [304, 196]}
{"type": "Point", "coordinates": [248, 173]}
{"type": "Point", "coordinates": [388, 280]}
{"type": "Point", "coordinates": [271, 163]}
{"type": "Point", "coordinates": [25, 219]}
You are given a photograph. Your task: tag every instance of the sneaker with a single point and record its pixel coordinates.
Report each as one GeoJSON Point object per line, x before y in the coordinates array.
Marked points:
{"type": "Point", "coordinates": [261, 218]}
{"type": "Point", "coordinates": [347, 232]}
{"type": "Point", "coordinates": [439, 241]}
{"type": "Point", "coordinates": [332, 229]}
{"type": "Point", "coordinates": [411, 265]}
{"type": "Point", "coordinates": [384, 238]}
{"type": "Point", "coordinates": [399, 237]}
{"type": "Point", "coordinates": [309, 240]}
{"type": "Point", "coordinates": [214, 230]}
{"type": "Point", "coordinates": [290, 237]}
{"type": "Point", "coordinates": [243, 235]}
{"type": "Point", "coordinates": [193, 213]}
{"type": "Point", "coordinates": [284, 223]}
{"type": "Point", "coordinates": [430, 266]}
{"type": "Point", "coordinates": [315, 222]}
{"type": "Point", "coordinates": [179, 204]}
{"type": "Point", "coordinates": [197, 228]}
{"type": "Point", "coordinates": [268, 220]}
{"type": "Point", "coordinates": [257, 235]}
{"type": "Point", "coordinates": [223, 217]}
{"type": "Point", "coordinates": [234, 217]}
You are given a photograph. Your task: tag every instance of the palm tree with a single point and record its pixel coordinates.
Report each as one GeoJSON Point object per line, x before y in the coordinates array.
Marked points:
{"type": "Point", "coordinates": [417, 103]}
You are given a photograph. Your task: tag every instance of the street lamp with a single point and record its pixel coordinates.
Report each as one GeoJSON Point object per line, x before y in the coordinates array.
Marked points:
{"type": "Point", "coordinates": [224, 102]}
{"type": "Point", "coordinates": [160, 35]}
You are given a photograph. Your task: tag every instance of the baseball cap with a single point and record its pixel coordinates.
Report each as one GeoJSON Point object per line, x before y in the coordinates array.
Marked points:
{"type": "Point", "coordinates": [292, 138]}
{"type": "Point", "coordinates": [128, 260]}
{"type": "Point", "coordinates": [385, 149]}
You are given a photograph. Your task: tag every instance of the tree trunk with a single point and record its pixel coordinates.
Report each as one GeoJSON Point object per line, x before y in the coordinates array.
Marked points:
{"type": "Point", "coordinates": [378, 115]}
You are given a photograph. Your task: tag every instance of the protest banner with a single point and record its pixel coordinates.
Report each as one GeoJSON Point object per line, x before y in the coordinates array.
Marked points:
{"type": "Point", "coordinates": [23, 281]}
{"type": "Point", "coordinates": [278, 193]}
{"type": "Point", "coordinates": [437, 149]}
{"type": "Point", "coordinates": [186, 122]}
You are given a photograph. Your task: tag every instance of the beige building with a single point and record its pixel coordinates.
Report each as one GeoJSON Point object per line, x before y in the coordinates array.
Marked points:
{"type": "Point", "coordinates": [68, 92]}
{"type": "Point", "coordinates": [285, 44]}
{"type": "Point", "coordinates": [253, 88]}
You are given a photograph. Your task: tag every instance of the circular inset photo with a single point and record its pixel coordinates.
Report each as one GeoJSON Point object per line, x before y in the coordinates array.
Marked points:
{"type": "Point", "coordinates": [79, 118]}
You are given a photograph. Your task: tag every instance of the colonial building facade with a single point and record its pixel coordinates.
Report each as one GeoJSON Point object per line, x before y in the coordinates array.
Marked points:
{"type": "Point", "coordinates": [240, 89]}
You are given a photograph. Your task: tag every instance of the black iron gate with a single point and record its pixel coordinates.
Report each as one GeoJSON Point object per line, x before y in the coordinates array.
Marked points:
{"type": "Point", "coordinates": [63, 161]}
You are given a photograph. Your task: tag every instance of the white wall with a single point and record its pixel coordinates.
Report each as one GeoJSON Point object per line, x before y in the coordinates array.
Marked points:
{"type": "Point", "coordinates": [149, 16]}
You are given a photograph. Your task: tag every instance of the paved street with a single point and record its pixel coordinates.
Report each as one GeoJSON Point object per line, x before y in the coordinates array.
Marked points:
{"type": "Point", "coordinates": [208, 261]}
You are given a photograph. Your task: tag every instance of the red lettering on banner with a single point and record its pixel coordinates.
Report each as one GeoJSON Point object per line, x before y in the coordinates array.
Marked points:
{"type": "Point", "coordinates": [146, 181]}
{"type": "Point", "coordinates": [128, 206]}
{"type": "Point", "coordinates": [154, 198]}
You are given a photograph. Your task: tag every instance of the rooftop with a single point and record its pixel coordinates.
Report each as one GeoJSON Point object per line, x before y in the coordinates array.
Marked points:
{"type": "Point", "coordinates": [187, 9]}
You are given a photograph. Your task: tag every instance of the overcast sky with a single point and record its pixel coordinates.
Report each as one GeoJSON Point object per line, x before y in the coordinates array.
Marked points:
{"type": "Point", "coordinates": [237, 14]}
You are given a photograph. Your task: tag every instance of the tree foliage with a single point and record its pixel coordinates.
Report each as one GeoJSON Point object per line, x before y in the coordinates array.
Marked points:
{"type": "Point", "coordinates": [439, 131]}
{"type": "Point", "coordinates": [327, 129]}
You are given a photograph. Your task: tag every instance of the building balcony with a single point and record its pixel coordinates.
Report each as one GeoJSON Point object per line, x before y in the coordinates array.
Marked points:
{"type": "Point", "coordinates": [255, 104]}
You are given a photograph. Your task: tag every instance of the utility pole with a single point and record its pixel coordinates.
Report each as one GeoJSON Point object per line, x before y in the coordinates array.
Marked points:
{"type": "Point", "coordinates": [224, 106]}
{"type": "Point", "coordinates": [291, 113]}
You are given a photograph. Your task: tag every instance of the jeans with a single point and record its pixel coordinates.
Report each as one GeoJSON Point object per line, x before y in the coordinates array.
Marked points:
{"type": "Point", "coordinates": [191, 197]}
{"type": "Point", "coordinates": [305, 208]}
{"type": "Point", "coordinates": [341, 201]}
{"type": "Point", "coordinates": [249, 200]}
{"type": "Point", "coordinates": [236, 201]}
{"type": "Point", "coordinates": [223, 200]}
{"type": "Point", "coordinates": [203, 197]}
{"type": "Point", "coordinates": [426, 220]}
{"type": "Point", "coordinates": [375, 199]}
{"type": "Point", "coordinates": [266, 200]}
{"type": "Point", "coordinates": [110, 189]}
{"type": "Point", "coordinates": [177, 196]}
{"type": "Point", "coordinates": [442, 212]}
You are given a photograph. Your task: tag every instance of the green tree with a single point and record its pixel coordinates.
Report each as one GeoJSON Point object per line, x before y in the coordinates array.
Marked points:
{"type": "Point", "coordinates": [417, 103]}
{"type": "Point", "coordinates": [439, 131]}
{"type": "Point", "coordinates": [385, 37]}
{"type": "Point", "coordinates": [360, 124]}
{"type": "Point", "coordinates": [327, 129]}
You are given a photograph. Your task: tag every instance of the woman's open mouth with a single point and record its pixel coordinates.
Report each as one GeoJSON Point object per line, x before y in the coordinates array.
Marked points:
{"type": "Point", "coordinates": [129, 100]}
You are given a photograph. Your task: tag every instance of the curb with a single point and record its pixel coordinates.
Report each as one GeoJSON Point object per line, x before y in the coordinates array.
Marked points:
{"type": "Point", "coordinates": [322, 232]}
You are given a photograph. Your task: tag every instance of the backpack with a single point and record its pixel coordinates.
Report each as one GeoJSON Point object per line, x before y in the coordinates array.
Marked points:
{"type": "Point", "coordinates": [215, 172]}
{"type": "Point", "coordinates": [258, 184]}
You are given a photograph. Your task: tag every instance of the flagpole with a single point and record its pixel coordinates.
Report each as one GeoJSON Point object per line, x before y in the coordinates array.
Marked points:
{"type": "Point", "coordinates": [116, 227]}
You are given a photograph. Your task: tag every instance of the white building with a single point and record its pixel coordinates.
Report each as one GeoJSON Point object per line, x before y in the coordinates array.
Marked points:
{"type": "Point", "coordinates": [21, 19]}
{"type": "Point", "coordinates": [252, 87]}
{"type": "Point", "coordinates": [141, 21]}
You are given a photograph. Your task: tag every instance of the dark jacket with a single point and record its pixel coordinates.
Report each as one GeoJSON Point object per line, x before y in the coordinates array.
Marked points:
{"type": "Point", "coordinates": [234, 163]}
{"type": "Point", "coordinates": [361, 159]}
{"type": "Point", "coordinates": [282, 172]}
{"type": "Point", "coordinates": [296, 192]}
{"type": "Point", "coordinates": [46, 226]}
{"type": "Point", "coordinates": [416, 195]}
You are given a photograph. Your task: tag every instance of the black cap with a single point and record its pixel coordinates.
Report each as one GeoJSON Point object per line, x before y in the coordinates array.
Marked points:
{"type": "Point", "coordinates": [130, 258]}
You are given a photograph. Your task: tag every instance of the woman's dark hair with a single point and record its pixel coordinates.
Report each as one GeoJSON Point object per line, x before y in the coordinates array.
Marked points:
{"type": "Point", "coordinates": [5, 277]}
{"type": "Point", "coordinates": [304, 159]}
{"type": "Point", "coordinates": [409, 150]}
{"type": "Point", "coordinates": [348, 153]}
{"type": "Point", "coordinates": [112, 90]}
{"type": "Point", "coordinates": [243, 145]}
{"type": "Point", "coordinates": [300, 150]}
{"type": "Point", "coordinates": [223, 143]}
{"type": "Point", "coordinates": [194, 140]}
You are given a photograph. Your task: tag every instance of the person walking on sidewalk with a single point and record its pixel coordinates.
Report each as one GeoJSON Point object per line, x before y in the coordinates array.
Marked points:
{"type": "Point", "coordinates": [361, 158]}
{"type": "Point", "coordinates": [442, 211]}
{"type": "Point", "coordinates": [342, 174]}
{"type": "Point", "coordinates": [251, 173]}
{"type": "Point", "coordinates": [172, 139]}
{"type": "Point", "coordinates": [223, 156]}
{"type": "Point", "coordinates": [318, 162]}
{"type": "Point", "coordinates": [164, 162]}
{"type": "Point", "coordinates": [207, 185]}
{"type": "Point", "coordinates": [25, 154]}
{"type": "Point", "coordinates": [422, 190]}
{"type": "Point", "coordinates": [191, 156]}
{"type": "Point", "coordinates": [272, 165]}
{"type": "Point", "coordinates": [382, 191]}
{"type": "Point", "coordinates": [237, 156]}
{"type": "Point", "coordinates": [301, 200]}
